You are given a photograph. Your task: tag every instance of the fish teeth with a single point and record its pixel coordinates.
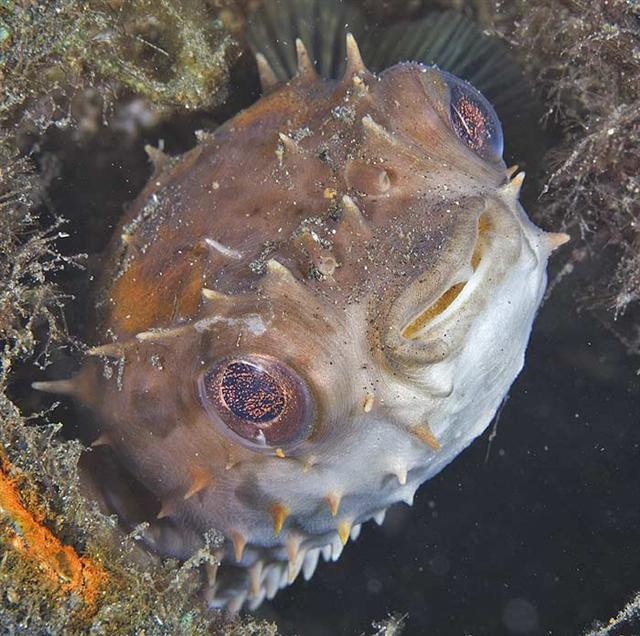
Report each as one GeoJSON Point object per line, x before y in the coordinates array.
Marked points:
{"type": "Point", "coordinates": [379, 516]}
{"type": "Point", "coordinates": [294, 568]}
{"type": "Point", "coordinates": [355, 532]}
{"type": "Point", "coordinates": [235, 603]}
{"type": "Point", "coordinates": [310, 563]}
{"type": "Point", "coordinates": [272, 580]}
{"type": "Point", "coordinates": [256, 600]}
{"type": "Point", "coordinates": [284, 578]}
{"type": "Point", "coordinates": [336, 548]}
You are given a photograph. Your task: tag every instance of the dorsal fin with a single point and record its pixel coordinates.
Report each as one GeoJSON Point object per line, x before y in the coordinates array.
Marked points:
{"type": "Point", "coordinates": [454, 43]}
{"type": "Point", "coordinates": [321, 25]}
{"type": "Point", "coordinates": [448, 40]}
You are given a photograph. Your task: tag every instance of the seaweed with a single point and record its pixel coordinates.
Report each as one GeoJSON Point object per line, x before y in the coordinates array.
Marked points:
{"type": "Point", "coordinates": [65, 567]}
{"type": "Point", "coordinates": [175, 55]}
{"type": "Point", "coordinates": [585, 60]}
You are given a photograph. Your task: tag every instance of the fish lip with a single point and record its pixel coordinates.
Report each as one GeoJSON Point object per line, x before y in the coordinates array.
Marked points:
{"type": "Point", "coordinates": [492, 267]}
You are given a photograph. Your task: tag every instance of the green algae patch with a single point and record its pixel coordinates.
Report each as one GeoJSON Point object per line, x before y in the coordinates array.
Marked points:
{"type": "Point", "coordinates": [176, 54]}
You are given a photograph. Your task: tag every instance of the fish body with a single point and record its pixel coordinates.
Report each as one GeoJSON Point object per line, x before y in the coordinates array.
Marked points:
{"type": "Point", "coordinates": [308, 315]}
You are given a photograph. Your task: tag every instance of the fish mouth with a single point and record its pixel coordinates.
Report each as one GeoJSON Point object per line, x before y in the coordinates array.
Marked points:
{"type": "Point", "coordinates": [438, 309]}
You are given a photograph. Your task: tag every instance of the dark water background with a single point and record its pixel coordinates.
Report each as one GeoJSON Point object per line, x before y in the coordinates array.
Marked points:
{"type": "Point", "coordinates": [540, 538]}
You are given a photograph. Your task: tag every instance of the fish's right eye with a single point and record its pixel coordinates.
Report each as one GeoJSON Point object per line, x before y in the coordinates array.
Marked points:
{"type": "Point", "coordinates": [473, 119]}
{"type": "Point", "coordinates": [259, 401]}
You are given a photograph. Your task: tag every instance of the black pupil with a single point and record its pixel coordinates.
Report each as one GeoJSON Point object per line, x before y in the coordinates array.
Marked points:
{"type": "Point", "coordinates": [250, 393]}
{"type": "Point", "coordinates": [469, 119]}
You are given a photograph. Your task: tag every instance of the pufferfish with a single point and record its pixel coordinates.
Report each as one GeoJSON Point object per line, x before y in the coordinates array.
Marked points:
{"type": "Point", "coordinates": [307, 316]}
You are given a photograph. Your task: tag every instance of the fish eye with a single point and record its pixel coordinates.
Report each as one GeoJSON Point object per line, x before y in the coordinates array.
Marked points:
{"type": "Point", "coordinates": [257, 400]}
{"type": "Point", "coordinates": [474, 119]}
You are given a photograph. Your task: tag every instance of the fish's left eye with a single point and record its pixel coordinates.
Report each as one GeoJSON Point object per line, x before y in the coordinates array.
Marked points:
{"type": "Point", "coordinates": [258, 401]}
{"type": "Point", "coordinates": [474, 119]}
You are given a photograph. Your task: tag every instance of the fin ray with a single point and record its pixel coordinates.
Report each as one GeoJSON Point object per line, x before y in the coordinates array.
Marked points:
{"type": "Point", "coordinates": [322, 26]}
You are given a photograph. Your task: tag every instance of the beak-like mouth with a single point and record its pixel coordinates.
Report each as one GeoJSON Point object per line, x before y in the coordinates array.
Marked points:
{"type": "Point", "coordinates": [438, 310]}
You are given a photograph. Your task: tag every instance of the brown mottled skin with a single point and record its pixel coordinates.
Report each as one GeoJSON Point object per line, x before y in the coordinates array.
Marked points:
{"type": "Point", "coordinates": [329, 286]}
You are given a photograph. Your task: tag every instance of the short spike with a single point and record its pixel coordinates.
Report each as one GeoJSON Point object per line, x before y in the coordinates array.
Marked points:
{"type": "Point", "coordinates": [222, 250]}
{"type": "Point", "coordinates": [326, 552]}
{"type": "Point", "coordinates": [268, 78]}
{"type": "Point", "coordinates": [513, 187]}
{"type": "Point", "coordinates": [400, 472]}
{"type": "Point", "coordinates": [294, 568]}
{"type": "Point", "coordinates": [555, 239]}
{"type": "Point", "coordinates": [200, 480]}
{"type": "Point", "coordinates": [336, 548]}
{"type": "Point", "coordinates": [353, 215]}
{"type": "Point", "coordinates": [373, 128]}
{"type": "Point", "coordinates": [61, 387]}
{"type": "Point", "coordinates": [276, 268]}
{"type": "Point", "coordinates": [308, 463]}
{"type": "Point", "coordinates": [279, 513]}
{"type": "Point", "coordinates": [284, 577]}
{"type": "Point", "coordinates": [367, 402]}
{"type": "Point", "coordinates": [518, 180]}
{"type": "Point", "coordinates": [271, 580]}
{"type": "Point", "coordinates": [127, 239]}
{"type": "Point", "coordinates": [306, 69]}
{"type": "Point", "coordinates": [333, 499]}
{"type": "Point", "coordinates": [239, 543]}
{"type": "Point", "coordinates": [293, 541]}
{"type": "Point", "coordinates": [407, 497]}
{"type": "Point", "coordinates": [157, 156]}
{"type": "Point", "coordinates": [296, 556]}
{"type": "Point", "coordinates": [355, 532]}
{"type": "Point", "coordinates": [279, 453]}
{"type": "Point", "coordinates": [344, 529]}
{"type": "Point", "coordinates": [511, 170]}
{"type": "Point", "coordinates": [215, 296]}
{"type": "Point", "coordinates": [155, 335]}
{"type": "Point", "coordinates": [167, 508]}
{"type": "Point", "coordinates": [101, 440]}
{"type": "Point", "coordinates": [425, 434]}
{"type": "Point", "coordinates": [289, 144]}
{"type": "Point", "coordinates": [109, 350]}
{"type": "Point", "coordinates": [354, 59]}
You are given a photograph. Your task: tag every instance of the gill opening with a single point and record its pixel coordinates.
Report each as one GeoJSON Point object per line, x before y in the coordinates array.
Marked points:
{"type": "Point", "coordinates": [413, 329]}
